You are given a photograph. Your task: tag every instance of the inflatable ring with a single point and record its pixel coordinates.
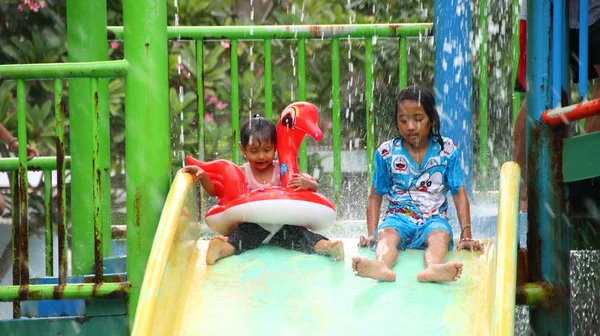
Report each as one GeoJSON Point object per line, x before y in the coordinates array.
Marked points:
{"type": "Point", "coordinates": [272, 206]}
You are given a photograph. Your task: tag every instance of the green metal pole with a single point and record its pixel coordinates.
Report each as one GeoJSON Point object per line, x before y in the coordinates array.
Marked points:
{"type": "Point", "coordinates": [147, 132]}
{"type": "Point", "coordinates": [101, 69]}
{"type": "Point", "coordinates": [254, 33]}
{"type": "Point", "coordinates": [268, 80]}
{"type": "Point", "coordinates": [200, 85]}
{"type": "Point", "coordinates": [402, 65]}
{"type": "Point", "coordinates": [70, 292]}
{"type": "Point", "coordinates": [49, 243]}
{"type": "Point", "coordinates": [369, 108]}
{"type": "Point", "coordinates": [483, 96]}
{"type": "Point", "coordinates": [235, 104]}
{"type": "Point", "coordinates": [201, 123]}
{"type": "Point", "coordinates": [37, 163]}
{"type": "Point", "coordinates": [60, 165]}
{"type": "Point", "coordinates": [97, 187]}
{"type": "Point", "coordinates": [87, 40]}
{"type": "Point", "coordinates": [16, 277]}
{"type": "Point", "coordinates": [337, 141]}
{"type": "Point", "coordinates": [302, 97]}
{"type": "Point", "coordinates": [516, 17]}
{"type": "Point", "coordinates": [23, 184]}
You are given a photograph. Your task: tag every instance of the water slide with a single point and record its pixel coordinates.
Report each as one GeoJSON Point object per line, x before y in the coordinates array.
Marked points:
{"type": "Point", "coordinates": [272, 291]}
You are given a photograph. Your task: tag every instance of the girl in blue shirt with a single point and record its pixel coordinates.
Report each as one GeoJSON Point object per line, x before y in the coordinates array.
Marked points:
{"type": "Point", "coordinates": [414, 172]}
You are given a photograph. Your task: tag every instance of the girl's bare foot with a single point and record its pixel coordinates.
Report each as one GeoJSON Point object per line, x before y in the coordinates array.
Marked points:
{"type": "Point", "coordinates": [218, 248]}
{"type": "Point", "coordinates": [447, 272]}
{"type": "Point", "coordinates": [373, 269]}
{"type": "Point", "coordinates": [334, 249]}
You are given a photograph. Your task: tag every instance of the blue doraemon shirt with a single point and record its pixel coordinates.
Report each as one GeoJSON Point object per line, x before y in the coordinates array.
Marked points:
{"type": "Point", "coordinates": [418, 192]}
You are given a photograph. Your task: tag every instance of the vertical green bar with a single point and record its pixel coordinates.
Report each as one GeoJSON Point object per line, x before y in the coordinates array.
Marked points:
{"type": "Point", "coordinates": [235, 104]}
{"type": "Point", "coordinates": [59, 113]}
{"type": "Point", "coordinates": [48, 221]}
{"type": "Point", "coordinates": [87, 41]}
{"type": "Point", "coordinates": [402, 64]}
{"type": "Point", "coordinates": [483, 97]}
{"type": "Point", "coordinates": [337, 141]}
{"type": "Point", "coordinates": [200, 86]}
{"type": "Point", "coordinates": [268, 80]}
{"type": "Point", "coordinates": [147, 112]}
{"type": "Point", "coordinates": [516, 101]}
{"type": "Point", "coordinates": [16, 277]}
{"type": "Point", "coordinates": [96, 186]}
{"type": "Point", "coordinates": [104, 165]}
{"type": "Point", "coordinates": [23, 182]}
{"type": "Point", "coordinates": [302, 97]}
{"type": "Point", "coordinates": [370, 117]}
{"type": "Point", "coordinates": [201, 123]}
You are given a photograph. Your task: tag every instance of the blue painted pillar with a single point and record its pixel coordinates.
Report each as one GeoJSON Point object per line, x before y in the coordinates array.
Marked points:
{"type": "Point", "coordinates": [453, 77]}
{"type": "Point", "coordinates": [548, 235]}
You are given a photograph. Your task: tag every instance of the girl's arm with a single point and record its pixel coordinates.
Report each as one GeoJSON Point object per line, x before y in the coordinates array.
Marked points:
{"type": "Point", "coordinates": [373, 209]}
{"type": "Point", "coordinates": [463, 211]}
{"type": "Point", "coordinates": [201, 176]}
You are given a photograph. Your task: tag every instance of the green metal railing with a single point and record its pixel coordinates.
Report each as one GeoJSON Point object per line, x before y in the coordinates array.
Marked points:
{"type": "Point", "coordinates": [301, 34]}
{"type": "Point", "coordinates": [22, 290]}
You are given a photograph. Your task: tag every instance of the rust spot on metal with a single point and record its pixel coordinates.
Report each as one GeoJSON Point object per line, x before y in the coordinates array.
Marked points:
{"type": "Point", "coordinates": [96, 287]}
{"type": "Point", "coordinates": [58, 291]}
{"type": "Point", "coordinates": [534, 241]}
{"type": "Point", "coordinates": [137, 205]}
{"type": "Point", "coordinates": [98, 248]}
{"type": "Point", "coordinates": [394, 29]}
{"type": "Point", "coordinates": [23, 291]}
{"type": "Point", "coordinates": [98, 264]}
{"type": "Point", "coordinates": [522, 270]}
{"type": "Point", "coordinates": [146, 44]}
{"type": "Point", "coordinates": [315, 31]}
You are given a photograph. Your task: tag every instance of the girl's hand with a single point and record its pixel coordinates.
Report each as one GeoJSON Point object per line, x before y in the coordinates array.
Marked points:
{"type": "Point", "coordinates": [196, 171]}
{"type": "Point", "coordinates": [366, 241]}
{"type": "Point", "coordinates": [302, 182]}
{"type": "Point", "coordinates": [469, 244]}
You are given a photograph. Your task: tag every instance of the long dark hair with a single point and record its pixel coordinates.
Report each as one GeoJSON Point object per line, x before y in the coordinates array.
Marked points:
{"type": "Point", "coordinates": [425, 98]}
{"type": "Point", "coordinates": [258, 129]}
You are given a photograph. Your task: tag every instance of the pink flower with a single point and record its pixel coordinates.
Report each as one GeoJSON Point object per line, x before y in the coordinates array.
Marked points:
{"type": "Point", "coordinates": [32, 5]}
{"type": "Point", "coordinates": [220, 105]}
{"type": "Point", "coordinates": [208, 117]}
{"type": "Point", "coordinates": [212, 100]}
{"type": "Point", "coordinates": [114, 44]}
{"type": "Point", "coordinates": [225, 44]}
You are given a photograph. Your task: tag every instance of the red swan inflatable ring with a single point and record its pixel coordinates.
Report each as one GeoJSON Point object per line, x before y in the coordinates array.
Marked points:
{"type": "Point", "coordinates": [271, 206]}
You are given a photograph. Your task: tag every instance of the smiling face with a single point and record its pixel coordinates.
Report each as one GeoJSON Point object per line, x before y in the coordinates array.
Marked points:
{"type": "Point", "coordinates": [413, 123]}
{"type": "Point", "coordinates": [260, 154]}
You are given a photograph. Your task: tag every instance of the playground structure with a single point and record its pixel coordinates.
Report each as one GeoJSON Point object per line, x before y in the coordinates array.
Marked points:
{"type": "Point", "coordinates": [551, 165]}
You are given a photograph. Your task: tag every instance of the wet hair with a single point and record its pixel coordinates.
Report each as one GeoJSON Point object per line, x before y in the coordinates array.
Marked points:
{"type": "Point", "coordinates": [258, 130]}
{"type": "Point", "coordinates": [424, 97]}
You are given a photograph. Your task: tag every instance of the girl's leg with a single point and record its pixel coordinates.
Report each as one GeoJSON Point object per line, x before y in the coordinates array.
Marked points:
{"type": "Point", "coordinates": [387, 252]}
{"type": "Point", "coordinates": [246, 236]}
{"type": "Point", "coordinates": [298, 238]}
{"type": "Point", "coordinates": [435, 255]}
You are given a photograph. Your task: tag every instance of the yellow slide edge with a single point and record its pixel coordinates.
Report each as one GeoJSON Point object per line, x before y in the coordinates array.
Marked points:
{"type": "Point", "coordinates": [505, 271]}
{"type": "Point", "coordinates": [169, 228]}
